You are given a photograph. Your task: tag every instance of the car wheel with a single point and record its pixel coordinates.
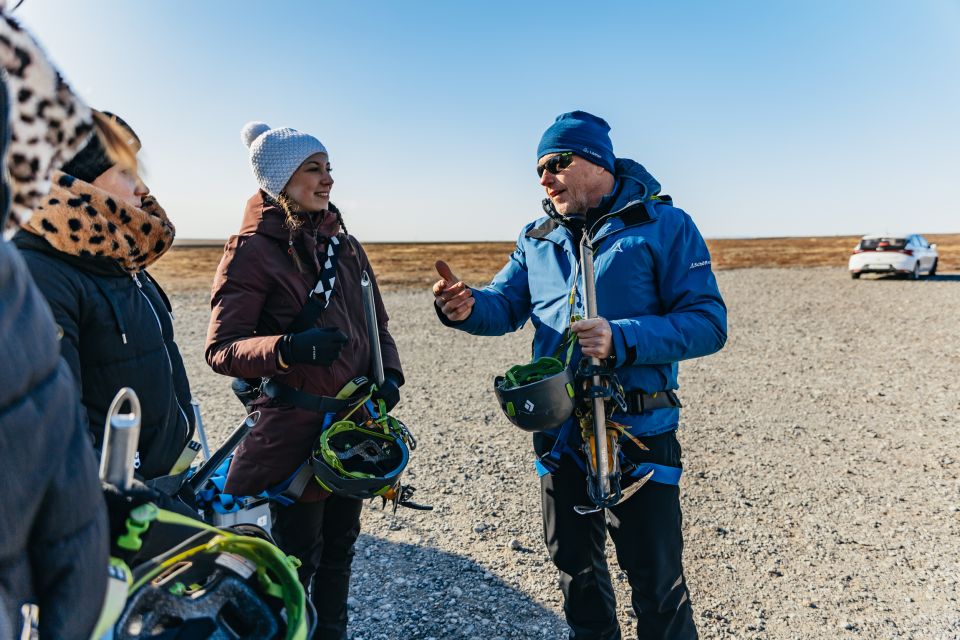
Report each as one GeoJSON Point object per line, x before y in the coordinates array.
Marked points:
{"type": "Point", "coordinates": [933, 269]}
{"type": "Point", "coordinates": [916, 271]}
{"type": "Point", "coordinates": [855, 275]}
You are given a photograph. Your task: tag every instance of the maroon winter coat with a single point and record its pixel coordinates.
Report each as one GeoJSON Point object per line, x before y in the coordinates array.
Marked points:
{"type": "Point", "coordinates": [257, 293]}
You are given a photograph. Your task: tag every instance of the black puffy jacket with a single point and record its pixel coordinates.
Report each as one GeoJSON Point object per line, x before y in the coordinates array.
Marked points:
{"type": "Point", "coordinates": [53, 524]}
{"type": "Point", "coordinates": [53, 527]}
{"type": "Point", "coordinates": [117, 332]}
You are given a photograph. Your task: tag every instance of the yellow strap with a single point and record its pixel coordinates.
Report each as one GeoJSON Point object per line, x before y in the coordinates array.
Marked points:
{"type": "Point", "coordinates": [118, 585]}
{"type": "Point", "coordinates": [623, 431]}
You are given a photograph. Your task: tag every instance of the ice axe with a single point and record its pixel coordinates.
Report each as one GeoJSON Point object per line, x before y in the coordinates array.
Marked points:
{"type": "Point", "coordinates": [120, 439]}
{"type": "Point", "coordinates": [373, 329]}
{"type": "Point", "coordinates": [398, 494]}
{"type": "Point", "coordinates": [211, 464]}
{"type": "Point", "coordinates": [601, 451]}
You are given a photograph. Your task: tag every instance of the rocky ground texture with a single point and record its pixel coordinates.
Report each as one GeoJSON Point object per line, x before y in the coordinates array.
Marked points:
{"type": "Point", "coordinates": [821, 492]}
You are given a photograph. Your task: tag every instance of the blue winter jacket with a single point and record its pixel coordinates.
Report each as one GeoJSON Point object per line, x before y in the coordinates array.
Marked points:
{"type": "Point", "coordinates": [654, 285]}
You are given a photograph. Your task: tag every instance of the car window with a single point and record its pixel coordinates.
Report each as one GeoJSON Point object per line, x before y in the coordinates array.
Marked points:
{"type": "Point", "coordinates": [923, 242]}
{"type": "Point", "coordinates": [893, 244]}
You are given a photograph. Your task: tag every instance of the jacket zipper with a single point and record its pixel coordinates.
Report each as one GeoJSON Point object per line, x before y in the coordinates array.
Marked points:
{"type": "Point", "coordinates": [164, 342]}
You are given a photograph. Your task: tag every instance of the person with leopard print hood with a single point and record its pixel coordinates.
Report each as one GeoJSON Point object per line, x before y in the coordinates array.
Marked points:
{"type": "Point", "coordinates": [53, 529]}
{"type": "Point", "coordinates": [88, 244]}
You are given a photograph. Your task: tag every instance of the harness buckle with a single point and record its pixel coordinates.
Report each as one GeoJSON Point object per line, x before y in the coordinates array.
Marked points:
{"type": "Point", "coordinates": [550, 461]}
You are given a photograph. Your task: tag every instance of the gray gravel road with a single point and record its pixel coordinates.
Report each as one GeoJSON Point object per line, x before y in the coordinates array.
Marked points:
{"type": "Point", "coordinates": [822, 487]}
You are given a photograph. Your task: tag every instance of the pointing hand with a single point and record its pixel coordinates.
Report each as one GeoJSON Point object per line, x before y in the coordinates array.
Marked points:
{"type": "Point", "coordinates": [451, 295]}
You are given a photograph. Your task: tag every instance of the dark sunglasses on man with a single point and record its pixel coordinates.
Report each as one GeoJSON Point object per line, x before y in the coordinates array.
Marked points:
{"type": "Point", "coordinates": [556, 164]}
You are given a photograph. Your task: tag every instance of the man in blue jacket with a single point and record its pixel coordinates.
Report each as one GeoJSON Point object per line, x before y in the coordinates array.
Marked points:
{"type": "Point", "coordinates": [658, 303]}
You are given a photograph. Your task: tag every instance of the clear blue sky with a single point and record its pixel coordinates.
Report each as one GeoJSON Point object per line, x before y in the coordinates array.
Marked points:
{"type": "Point", "coordinates": [759, 118]}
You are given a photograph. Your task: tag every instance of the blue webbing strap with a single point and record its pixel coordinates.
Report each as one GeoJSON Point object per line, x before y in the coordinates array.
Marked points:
{"type": "Point", "coordinates": [550, 462]}
{"type": "Point", "coordinates": [662, 474]}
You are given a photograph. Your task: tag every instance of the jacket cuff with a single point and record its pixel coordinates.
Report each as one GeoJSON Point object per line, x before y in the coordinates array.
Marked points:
{"type": "Point", "coordinates": [273, 367]}
{"type": "Point", "coordinates": [396, 375]}
{"type": "Point", "coordinates": [619, 343]}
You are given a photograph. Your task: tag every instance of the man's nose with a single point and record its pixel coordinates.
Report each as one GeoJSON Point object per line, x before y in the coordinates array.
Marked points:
{"type": "Point", "coordinates": [142, 189]}
{"type": "Point", "coordinates": [546, 179]}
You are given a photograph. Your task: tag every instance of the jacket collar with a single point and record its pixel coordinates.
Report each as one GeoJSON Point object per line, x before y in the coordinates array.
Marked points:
{"type": "Point", "coordinates": [95, 265]}
{"type": "Point", "coordinates": [264, 216]}
{"type": "Point", "coordinates": [631, 206]}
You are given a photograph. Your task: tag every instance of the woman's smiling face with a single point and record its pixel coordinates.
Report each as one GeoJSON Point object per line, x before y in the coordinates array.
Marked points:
{"type": "Point", "coordinates": [309, 186]}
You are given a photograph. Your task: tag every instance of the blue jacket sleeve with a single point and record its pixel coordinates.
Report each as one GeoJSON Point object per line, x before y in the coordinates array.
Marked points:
{"type": "Point", "coordinates": [694, 318]}
{"type": "Point", "coordinates": [504, 304]}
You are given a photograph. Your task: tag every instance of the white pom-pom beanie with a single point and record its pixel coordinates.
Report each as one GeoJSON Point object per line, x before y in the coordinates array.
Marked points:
{"type": "Point", "coordinates": [275, 154]}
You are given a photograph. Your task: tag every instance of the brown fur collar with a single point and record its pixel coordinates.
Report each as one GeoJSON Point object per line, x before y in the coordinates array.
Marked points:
{"type": "Point", "coordinates": [80, 219]}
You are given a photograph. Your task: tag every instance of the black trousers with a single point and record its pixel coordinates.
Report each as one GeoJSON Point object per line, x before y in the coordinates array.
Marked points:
{"type": "Point", "coordinates": [322, 534]}
{"type": "Point", "coordinates": [646, 531]}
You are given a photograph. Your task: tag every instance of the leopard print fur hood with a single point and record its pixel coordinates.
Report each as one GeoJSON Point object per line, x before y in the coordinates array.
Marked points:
{"type": "Point", "coordinates": [80, 219]}
{"type": "Point", "coordinates": [49, 124]}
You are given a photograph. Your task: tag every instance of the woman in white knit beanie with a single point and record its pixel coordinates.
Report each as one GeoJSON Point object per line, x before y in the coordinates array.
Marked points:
{"type": "Point", "coordinates": [292, 239]}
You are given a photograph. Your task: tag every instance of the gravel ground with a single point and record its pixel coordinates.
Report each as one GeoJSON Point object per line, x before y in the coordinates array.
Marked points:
{"type": "Point", "coordinates": [822, 487]}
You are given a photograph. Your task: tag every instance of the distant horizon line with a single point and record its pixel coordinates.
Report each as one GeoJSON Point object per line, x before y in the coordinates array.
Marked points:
{"type": "Point", "coordinates": [210, 242]}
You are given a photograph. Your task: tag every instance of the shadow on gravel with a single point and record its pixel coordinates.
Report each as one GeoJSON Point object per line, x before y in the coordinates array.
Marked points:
{"type": "Point", "coordinates": [401, 591]}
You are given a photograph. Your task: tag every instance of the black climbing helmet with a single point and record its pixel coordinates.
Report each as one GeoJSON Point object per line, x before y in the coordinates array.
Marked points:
{"type": "Point", "coordinates": [536, 396]}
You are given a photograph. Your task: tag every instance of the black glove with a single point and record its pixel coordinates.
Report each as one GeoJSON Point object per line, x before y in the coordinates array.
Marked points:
{"type": "Point", "coordinates": [313, 346]}
{"type": "Point", "coordinates": [389, 391]}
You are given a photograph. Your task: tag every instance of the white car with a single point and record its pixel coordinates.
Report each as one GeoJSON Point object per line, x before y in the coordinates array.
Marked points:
{"type": "Point", "coordinates": [909, 254]}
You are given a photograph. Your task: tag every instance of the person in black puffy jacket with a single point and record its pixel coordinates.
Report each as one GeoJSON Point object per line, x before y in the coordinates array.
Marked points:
{"type": "Point", "coordinates": [87, 245]}
{"type": "Point", "coordinates": [53, 526]}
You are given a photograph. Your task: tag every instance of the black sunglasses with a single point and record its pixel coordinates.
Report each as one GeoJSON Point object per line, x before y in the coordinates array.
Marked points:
{"type": "Point", "coordinates": [556, 164]}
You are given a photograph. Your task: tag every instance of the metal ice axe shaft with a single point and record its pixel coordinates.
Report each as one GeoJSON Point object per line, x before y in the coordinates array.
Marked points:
{"type": "Point", "coordinates": [601, 489]}
{"type": "Point", "coordinates": [201, 432]}
{"type": "Point", "coordinates": [211, 464]}
{"type": "Point", "coordinates": [373, 329]}
{"type": "Point", "coordinates": [120, 437]}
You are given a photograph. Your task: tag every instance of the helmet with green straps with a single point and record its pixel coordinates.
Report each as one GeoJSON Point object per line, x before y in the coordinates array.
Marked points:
{"type": "Point", "coordinates": [214, 584]}
{"type": "Point", "coordinates": [357, 461]}
{"type": "Point", "coordinates": [536, 396]}
{"type": "Point", "coordinates": [540, 395]}
{"type": "Point", "coordinates": [362, 460]}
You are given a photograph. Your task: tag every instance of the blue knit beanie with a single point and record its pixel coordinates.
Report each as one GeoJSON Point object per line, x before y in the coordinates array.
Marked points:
{"type": "Point", "coordinates": [275, 154]}
{"type": "Point", "coordinates": [582, 133]}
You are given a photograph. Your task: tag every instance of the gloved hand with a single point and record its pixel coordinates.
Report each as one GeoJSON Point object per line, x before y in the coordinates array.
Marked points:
{"type": "Point", "coordinates": [313, 346]}
{"type": "Point", "coordinates": [120, 503]}
{"type": "Point", "coordinates": [389, 391]}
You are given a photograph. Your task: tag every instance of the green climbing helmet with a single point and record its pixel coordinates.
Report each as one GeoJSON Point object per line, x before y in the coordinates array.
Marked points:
{"type": "Point", "coordinates": [214, 584]}
{"type": "Point", "coordinates": [536, 396]}
{"type": "Point", "coordinates": [361, 460]}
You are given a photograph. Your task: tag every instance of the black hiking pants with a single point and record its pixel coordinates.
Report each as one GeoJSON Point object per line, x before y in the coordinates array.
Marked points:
{"type": "Point", "coordinates": [321, 534]}
{"type": "Point", "coordinates": [646, 533]}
